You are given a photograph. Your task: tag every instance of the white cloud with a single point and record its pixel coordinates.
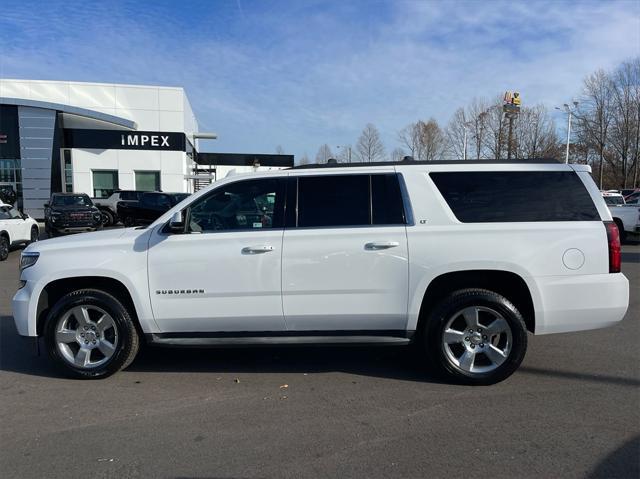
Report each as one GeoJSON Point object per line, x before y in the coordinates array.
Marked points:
{"type": "Point", "coordinates": [308, 73]}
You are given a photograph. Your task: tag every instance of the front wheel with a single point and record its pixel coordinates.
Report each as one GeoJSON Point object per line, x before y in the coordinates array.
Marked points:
{"type": "Point", "coordinates": [34, 235]}
{"type": "Point", "coordinates": [90, 334]}
{"type": "Point", "coordinates": [476, 336]}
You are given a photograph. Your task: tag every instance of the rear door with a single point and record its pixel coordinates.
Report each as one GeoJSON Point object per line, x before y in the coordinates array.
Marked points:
{"type": "Point", "coordinates": [345, 258]}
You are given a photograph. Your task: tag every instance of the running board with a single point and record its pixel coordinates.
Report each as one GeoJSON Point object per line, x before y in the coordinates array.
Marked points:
{"type": "Point", "coordinates": [206, 340]}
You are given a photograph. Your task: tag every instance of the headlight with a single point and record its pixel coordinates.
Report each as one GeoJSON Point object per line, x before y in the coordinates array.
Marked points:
{"type": "Point", "coordinates": [27, 259]}
{"type": "Point", "coordinates": [97, 216]}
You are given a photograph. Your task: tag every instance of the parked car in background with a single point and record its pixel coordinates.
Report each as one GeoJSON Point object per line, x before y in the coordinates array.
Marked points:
{"type": "Point", "coordinates": [151, 206]}
{"type": "Point", "coordinates": [15, 228]}
{"type": "Point", "coordinates": [627, 217]}
{"type": "Point", "coordinates": [71, 213]}
{"type": "Point", "coordinates": [613, 198]}
{"type": "Point", "coordinates": [633, 198]}
{"type": "Point", "coordinates": [109, 206]}
{"type": "Point", "coordinates": [382, 254]}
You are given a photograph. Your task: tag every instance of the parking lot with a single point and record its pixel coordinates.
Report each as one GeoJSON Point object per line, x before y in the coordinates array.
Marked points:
{"type": "Point", "coordinates": [572, 410]}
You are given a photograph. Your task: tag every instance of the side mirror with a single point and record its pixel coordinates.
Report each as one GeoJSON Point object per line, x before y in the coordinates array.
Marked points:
{"type": "Point", "coordinates": [176, 223]}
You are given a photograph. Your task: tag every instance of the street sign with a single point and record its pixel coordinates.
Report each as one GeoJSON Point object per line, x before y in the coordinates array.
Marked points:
{"type": "Point", "coordinates": [511, 102]}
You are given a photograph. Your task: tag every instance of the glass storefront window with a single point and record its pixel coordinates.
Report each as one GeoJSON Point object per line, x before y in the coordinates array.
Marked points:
{"type": "Point", "coordinates": [148, 180]}
{"type": "Point", "coordinates": [105, 182]}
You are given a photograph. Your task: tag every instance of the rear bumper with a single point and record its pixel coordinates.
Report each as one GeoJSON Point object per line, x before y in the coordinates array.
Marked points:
{"type": "Point", "coordinates": [577, 303]}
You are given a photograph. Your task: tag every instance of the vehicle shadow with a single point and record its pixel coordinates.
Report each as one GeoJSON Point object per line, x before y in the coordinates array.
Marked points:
{"type": "Point", "coordinates": [624, 462]}
{"type": "Point", "coordinates": [400, 363]}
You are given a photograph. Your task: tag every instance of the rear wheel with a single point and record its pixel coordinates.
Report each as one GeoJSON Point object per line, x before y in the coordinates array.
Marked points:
{"type": "Point", "coordinates": [4, 248]}
{"type": "Point", "coordinates": [90, 334]}
{"type": "Point", "coordinates": [476, 336]}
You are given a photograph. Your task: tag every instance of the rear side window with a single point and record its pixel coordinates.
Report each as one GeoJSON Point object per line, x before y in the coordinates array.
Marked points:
{"type": "Point", "coordinates": [333, 200]}
{"type": "Point", "coordinates": [515, 196]}
{"type": "Point", "coordinates": [350, 200]}
{"type": "Point", "coordinates": [386, 200]}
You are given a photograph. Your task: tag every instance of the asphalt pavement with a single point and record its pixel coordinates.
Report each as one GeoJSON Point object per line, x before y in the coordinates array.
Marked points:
{"type": "Point", "coordinates": [571, 411]}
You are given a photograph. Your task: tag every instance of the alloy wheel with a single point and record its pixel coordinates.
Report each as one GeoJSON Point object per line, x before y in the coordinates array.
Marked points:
{"type": "Point", "coordinates": [86, 336]}
{"type": "Point", "coordinates": [477, 340]}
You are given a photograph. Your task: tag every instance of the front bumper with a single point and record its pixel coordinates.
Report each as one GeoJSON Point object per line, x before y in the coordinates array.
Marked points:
{"type": "Point", "coordinates": [577, 303]}
{"type": "Point", "coordinates": [20, 305]}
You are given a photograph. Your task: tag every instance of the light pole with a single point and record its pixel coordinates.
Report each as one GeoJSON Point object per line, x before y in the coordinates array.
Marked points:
{"type": "Point", "coordinates": [348, 152]}
{"type": "Point", "coordinates": [569, 110]}
{"type": "Point", "coordinates": [465, 125]}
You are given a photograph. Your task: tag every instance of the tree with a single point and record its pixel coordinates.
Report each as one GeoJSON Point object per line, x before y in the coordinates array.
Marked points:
{"type": "Point", "coordinates": [369, 147]}
{"type": "Point", "coordinates": [279, 150]}
{"type": "Point", "coordinates": [345, 154]}
{"type": "Point", "coordinates": [304, 160]}
{"type": "Point", "coordinates": [432, 140]}
{"type": "Point", "coordinates": [324, 153]}
{"type": "Point", "coordinates": [397, 154]}
{"type": "Point", "coordinates": [596, 115]}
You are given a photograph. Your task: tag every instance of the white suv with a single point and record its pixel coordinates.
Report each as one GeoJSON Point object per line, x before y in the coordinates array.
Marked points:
{"type": "Point", "coordinates": [15, 228]}
{"type": "Point", "coordinates": [460, 258]}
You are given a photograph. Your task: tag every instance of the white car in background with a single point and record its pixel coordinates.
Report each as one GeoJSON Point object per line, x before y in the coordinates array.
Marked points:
{"type": "Point", "coordinates": [613, 198]}
{"type": "Point", "coordinates": [15, 228]}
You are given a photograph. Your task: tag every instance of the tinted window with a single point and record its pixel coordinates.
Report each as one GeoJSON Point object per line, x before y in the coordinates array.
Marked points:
{"type": "Point", "coordinates": [4, 214]}
{"type": "Point", "coordinates": [250, 204]}
{"type": "Point", "coordinates": [129, 195]}
{"type": "Point", "coordinates": [333, 200]}
{"type": "Point", "coordinates": [386, 200]}
{"type": "Point", "coordinates": [487, 196]}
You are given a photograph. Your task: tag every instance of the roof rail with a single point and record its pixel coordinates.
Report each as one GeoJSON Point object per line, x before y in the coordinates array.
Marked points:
{"type": "Point", "coordinates": [438, 162]}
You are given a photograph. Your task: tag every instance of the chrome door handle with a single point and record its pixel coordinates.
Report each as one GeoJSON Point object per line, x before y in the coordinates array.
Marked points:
{"type": "Point", "coordinates": [376, 245]}
{"type": "Point", "coordinates": [257, 249]}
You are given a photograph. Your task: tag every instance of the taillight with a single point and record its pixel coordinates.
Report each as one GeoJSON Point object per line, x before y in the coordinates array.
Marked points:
{"type": "Point", "coordinates": [613, 239]}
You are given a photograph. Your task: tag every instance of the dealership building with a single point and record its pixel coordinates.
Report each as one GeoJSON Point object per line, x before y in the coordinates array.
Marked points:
{"type": "Point", "coordinates": [94, 138]}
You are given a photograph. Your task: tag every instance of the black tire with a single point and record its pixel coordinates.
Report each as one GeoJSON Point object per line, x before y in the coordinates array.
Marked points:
{"type": "Point", "coordinates": [35, 234]}
{"type": "Point", "coordinates": [437, 319]}
{"type": "Point", "coordinates": [623, 233]}
{"type": "Point", "coordinates": [126, 347]}
{"type": "Point", "coordinates": [4, 248]}
{"type": "Point", "coordinates": [107, 218]}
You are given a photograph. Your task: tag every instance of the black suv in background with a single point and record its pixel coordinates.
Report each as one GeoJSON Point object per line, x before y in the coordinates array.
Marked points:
{"type": "Point", "coordinates": [151, 206]}
{"type": "Point", "coordinates": [71, 213]}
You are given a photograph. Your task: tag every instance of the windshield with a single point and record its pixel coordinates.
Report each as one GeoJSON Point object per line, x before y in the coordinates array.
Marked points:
{"type": "Point", "coordinates": [73, 200]}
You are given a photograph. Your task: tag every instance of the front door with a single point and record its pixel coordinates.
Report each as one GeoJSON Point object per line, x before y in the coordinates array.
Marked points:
{"type": "Point", "coordinates": [224, 272]}
{"type": "Point", "coordinates": [345, 264]}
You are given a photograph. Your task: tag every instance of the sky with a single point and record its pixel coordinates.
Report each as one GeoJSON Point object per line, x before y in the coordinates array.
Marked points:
{"type": "Point", "coordinates": [303, 73]}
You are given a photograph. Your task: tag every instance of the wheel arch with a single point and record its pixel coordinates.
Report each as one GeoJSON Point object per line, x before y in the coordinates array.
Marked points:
{"type": "Point", "coordinates": [56, 289]}
{"type": "Point", "coordinates": [509, 284]}
{"type": "Point", "coordinates": [5, 234]}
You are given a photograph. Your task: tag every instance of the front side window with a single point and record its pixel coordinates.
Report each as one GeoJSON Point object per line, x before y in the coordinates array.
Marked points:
{"type": "Point", "coordinates": [4, 214]}
{"type": "Point", "coordinates": [244, 205]}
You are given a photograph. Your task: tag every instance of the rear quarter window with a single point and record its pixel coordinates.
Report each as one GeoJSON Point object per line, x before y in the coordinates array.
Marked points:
{"type": "Point", "coordinates": [515, 196]}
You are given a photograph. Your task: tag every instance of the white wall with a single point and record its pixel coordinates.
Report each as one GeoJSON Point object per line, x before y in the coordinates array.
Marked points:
{"type": "Point", "coordinates": [171, 164]}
